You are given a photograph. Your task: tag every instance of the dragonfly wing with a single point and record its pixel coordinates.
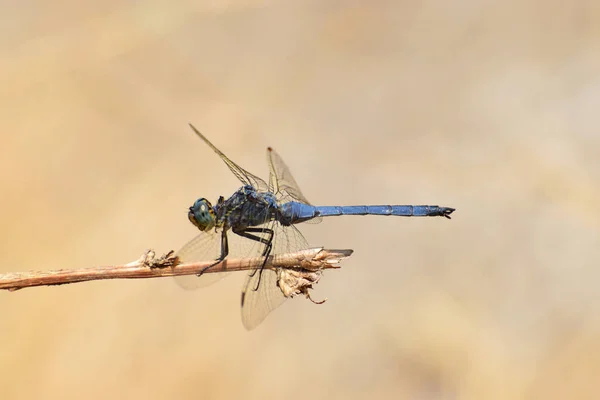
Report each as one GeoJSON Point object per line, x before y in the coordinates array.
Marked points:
{"type": "Point", "coordinates": [204, 247]}
{"type": "Point", "coordinates": [257, 304]}
{"type": "Point", "coordinates": [282, 182]}
{"type": "Point", "coordinates": [260, 297]}
{"type": "Point", "coordinates": [244, 176]}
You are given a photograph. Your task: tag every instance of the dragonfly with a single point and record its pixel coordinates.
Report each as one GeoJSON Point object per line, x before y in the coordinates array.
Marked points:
{"type": "Point", "coordinates": [259, 220]}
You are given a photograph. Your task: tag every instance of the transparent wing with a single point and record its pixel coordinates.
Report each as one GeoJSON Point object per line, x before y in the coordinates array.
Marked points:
{"type": "Point", "coordinates": [207, 247]}
{"type": "Point", "coordinates": [282, 182]}
{"type": "Point", "coordinates": [258, 303]}
{"type": "Point", "coordinates": [204, 247]}
{"type": "Point", "coordinates": [244, 176]}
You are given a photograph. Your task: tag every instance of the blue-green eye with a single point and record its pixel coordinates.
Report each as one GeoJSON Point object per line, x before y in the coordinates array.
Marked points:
{"type": "Point", "coordinates": [201, 214]}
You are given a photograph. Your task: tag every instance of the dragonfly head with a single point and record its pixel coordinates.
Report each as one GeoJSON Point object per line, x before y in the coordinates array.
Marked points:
{"type": "Point", "coordinates": [202, 215]}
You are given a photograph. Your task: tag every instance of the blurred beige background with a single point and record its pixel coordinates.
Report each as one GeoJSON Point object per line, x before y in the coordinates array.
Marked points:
{"type": "Point", "coordinates": [489, 107]}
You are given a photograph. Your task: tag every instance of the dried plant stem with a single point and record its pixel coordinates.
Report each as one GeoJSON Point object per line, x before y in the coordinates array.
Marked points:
{"type": "Point", "coordinates": [149, 266]}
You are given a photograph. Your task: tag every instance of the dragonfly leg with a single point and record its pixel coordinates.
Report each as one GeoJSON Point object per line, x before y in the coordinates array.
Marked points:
{"type": "Point", "coordinates": [267, 241]}
{"type": "Point", "coordinates": [224, 252]}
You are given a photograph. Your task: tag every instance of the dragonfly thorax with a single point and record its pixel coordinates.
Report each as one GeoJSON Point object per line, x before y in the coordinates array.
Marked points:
{"type": "Point", "coordinates": [202, 215]}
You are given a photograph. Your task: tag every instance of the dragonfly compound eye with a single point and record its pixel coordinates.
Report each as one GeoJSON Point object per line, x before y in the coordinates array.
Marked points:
{"type": "Point", "coordinates": [201, 214]}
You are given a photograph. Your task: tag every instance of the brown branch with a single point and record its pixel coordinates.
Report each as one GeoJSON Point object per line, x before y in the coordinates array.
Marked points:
{"type": "Point", "coordinates": [149, 266]}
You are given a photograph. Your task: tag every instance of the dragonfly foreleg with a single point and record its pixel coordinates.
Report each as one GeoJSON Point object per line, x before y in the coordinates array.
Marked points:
{"type": "Point", "coordinates": [267, 241]}
{"type": "Point", "coordinates": [224, 252]}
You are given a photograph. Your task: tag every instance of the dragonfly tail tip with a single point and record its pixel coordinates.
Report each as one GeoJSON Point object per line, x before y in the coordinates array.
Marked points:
{"type": "Point", "coordinates": [447, 211]}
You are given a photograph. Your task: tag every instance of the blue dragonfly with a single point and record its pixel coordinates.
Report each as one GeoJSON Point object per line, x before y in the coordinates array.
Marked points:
{"type": "Point", "coordinates": [260, 219]}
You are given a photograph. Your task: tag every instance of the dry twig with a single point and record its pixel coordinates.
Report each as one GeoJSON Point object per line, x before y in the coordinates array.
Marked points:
{"type": "Point", "coordinates": [149, 266]}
